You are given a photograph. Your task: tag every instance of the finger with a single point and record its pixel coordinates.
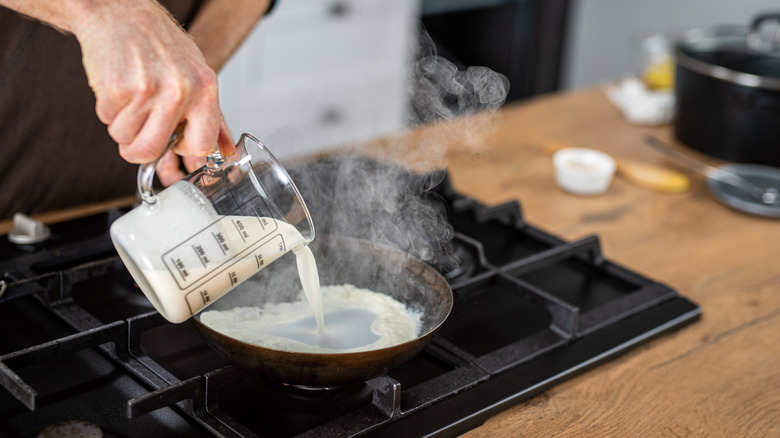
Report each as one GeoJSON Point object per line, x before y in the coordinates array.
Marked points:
{"type": "Point", "coordinates": [225, 140]}
{"type": "Point", "coordinates": [129, 121]}
{"type": "Point", "coordinates": [168, 169]}
{"type": "Point", "coordinates": [202, 130]}
{"type": "Point", "coordinates": [184, 148]}
{"type": "Point", "coordinates": [226, 148]}
{"type": "Point", "coordinates": [193, 163]}
{"type": "Point", "coordinates": [110, 95]}
{"type": "Point", "coordinates": [106, 108]}
{"type": "Point", "coordinates": [152, 139]}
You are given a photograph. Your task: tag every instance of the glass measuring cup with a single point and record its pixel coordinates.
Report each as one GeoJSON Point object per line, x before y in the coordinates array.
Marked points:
{"type": "Point", "coordinates": [199, 238]}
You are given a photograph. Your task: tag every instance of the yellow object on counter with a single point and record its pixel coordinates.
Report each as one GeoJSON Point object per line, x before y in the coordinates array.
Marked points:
{"type": "Point", "coordinates": [659, 75]}
{"type": "Point", "coordinates": [653, 177]}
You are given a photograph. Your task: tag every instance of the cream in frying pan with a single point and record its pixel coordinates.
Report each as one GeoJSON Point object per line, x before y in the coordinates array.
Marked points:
{"type": "Point", "coordinates": [355, 319]}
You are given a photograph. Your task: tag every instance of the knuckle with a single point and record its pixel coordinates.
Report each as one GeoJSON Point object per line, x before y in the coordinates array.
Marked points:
{"type": "Point", "coordinates": [119, 135]}
{"type": "Point", "coordinates": [105, 115]}
{"type": "Point", "coordinates": [144, 90]}
{"type": "Point", "coordinates": [209, 84]}
{"type": "Point", "coordinates": [178, 90]}
{"type": "Point", "coordinates": [181, 90]}
{"type": "Point", "coordinates": [115, 133]}
{"type": "Point", "coordinates": [121, 94]}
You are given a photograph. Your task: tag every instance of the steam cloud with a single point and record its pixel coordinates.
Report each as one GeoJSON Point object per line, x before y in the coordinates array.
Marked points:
{"type": "Point", "coordinates": [352, 195]}
{"type": "Point", "coordinates": [441, 91]}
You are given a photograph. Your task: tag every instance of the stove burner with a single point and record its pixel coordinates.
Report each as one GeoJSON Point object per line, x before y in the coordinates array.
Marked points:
{"type": "Point", "coordinates": [328, 399]}
{"type": "Point", "coordinates": [465, 265]}
{"type": "Point", "coordinates": [275, 409]}
{"type": "Point", "coordinates": [72, 429]}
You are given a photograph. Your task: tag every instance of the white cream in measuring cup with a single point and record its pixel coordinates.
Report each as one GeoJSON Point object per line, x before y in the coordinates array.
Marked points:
{"type": "Point", "coordinates": [199, 238]}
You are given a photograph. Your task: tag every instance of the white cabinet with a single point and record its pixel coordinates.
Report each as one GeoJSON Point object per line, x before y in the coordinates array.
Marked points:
{"type": "Point", "coordinates": [316, 74]}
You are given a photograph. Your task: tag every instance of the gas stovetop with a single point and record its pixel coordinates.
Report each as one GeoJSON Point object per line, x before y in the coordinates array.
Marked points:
{"type": "Point", "coordinates": [80, 343]}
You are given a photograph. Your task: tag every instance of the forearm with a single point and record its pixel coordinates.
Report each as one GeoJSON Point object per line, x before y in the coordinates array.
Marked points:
{"type": "Point", "coordinates": [222, 25]}
{"type": "Point", "coordinates": [77, 16]}
{"type": "Point", "coordinates": [56, 14]}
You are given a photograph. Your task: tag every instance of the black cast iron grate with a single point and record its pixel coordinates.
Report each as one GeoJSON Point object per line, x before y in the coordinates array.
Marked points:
{"type": "Point", "coordinates": [531, 310]}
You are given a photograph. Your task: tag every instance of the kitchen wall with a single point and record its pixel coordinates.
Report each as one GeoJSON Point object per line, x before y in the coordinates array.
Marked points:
{"type": "Point", "coordinates": [597, 47]}
{"type": "Point", "coordinates": [316, 74]}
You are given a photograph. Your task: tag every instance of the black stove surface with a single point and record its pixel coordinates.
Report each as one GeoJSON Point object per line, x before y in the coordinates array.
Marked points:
{"type": "Point", "coordinates": [78, 341]}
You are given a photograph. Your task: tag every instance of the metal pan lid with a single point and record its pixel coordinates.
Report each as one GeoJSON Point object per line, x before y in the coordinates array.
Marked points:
{"type": "Point", "coordinates": [762, 176]}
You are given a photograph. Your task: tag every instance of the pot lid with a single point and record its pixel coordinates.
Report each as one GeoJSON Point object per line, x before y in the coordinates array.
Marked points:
{"type": "Point", "coordinates": [743, 55]}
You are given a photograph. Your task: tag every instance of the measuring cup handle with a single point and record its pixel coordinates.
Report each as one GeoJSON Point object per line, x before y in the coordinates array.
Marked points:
{"type": "Point", "coordinates": [146, 171]}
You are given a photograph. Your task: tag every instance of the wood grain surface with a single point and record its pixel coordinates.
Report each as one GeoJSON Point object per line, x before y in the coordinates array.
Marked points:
{"type": "Point", "coordinates": [719, 377]}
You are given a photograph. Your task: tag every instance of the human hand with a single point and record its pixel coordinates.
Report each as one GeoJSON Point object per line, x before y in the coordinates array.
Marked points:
{"type": "Point", "coordinates": [148, 76]}
{"type": "Point", "coordinates": [169, 167]}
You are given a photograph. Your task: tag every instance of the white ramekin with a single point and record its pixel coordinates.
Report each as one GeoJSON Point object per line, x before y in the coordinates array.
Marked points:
{"type": "Point", "coordinates": [583, 171]}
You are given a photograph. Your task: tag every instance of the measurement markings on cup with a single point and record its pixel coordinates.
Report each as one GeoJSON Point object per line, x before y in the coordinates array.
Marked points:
{"type": "Point", "coordinates": [221, 243]}
{"type": "Point", "coordinates": [241, 228]}
{"type": "Point", "coordinates": [201, 253]}
{"type": "Point", "coordinates": [180, 268]}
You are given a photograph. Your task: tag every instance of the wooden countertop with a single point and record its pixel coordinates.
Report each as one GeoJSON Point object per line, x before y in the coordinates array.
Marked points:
{"type": "Point", "coordinates": [717, 377]}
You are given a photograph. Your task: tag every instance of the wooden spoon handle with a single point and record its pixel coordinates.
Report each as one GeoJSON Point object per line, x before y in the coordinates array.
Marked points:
{"type": "Point", "coordinates": [653, 177]}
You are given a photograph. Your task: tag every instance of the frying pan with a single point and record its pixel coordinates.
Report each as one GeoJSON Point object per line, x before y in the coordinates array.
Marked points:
{"type": "Point", "coordinates": [340, 260]}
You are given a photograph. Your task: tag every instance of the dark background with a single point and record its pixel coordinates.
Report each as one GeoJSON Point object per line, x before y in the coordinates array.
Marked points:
{"type": "Point", "coordinates": [521, 39]}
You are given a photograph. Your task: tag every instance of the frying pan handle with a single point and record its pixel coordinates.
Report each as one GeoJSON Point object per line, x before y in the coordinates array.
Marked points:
{"type": "Point", "coordinates": [146, 171]}
{"type": "Point", "coordinates": [764, 37]}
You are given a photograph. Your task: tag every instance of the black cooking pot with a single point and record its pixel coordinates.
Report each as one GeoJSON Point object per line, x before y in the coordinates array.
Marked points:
{"type": "Point", "coordinates": [727, 89]}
